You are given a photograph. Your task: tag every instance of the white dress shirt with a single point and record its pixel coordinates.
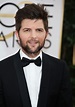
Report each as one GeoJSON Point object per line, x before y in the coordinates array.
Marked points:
{"type": "Point", "coordinates": [33, 78]}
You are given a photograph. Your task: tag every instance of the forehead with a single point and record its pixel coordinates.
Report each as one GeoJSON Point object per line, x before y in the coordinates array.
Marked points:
{"type": "Point", "coordinates": [32, 23]}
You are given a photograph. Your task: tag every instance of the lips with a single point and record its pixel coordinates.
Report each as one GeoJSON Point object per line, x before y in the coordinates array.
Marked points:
{"type": "Point", "coordinates": [32, 42]}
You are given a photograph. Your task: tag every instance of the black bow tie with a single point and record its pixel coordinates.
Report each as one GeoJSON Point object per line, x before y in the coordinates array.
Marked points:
{"type": "Point", "coordinates": [26, 61]}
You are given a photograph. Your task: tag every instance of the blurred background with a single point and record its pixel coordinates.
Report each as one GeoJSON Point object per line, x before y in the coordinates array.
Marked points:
{"type": "Point", "coordinates": [68, 40]}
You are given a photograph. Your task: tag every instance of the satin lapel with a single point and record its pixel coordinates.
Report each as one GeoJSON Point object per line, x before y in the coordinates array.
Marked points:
{"type": "Point", "coordinates": [43, 95]}
{"type": "Point", "coordinates": [21, 81]}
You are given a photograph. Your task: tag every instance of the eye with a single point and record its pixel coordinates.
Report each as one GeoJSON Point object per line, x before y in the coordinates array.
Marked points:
{"type": "Point", "coordinates": [39, 30]}
{"type": "Point", "coordinates": [26, 30]}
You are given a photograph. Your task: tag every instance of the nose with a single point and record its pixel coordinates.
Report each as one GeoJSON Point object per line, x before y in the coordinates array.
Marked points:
{"type": "Point", "coordinates": [33, 34]}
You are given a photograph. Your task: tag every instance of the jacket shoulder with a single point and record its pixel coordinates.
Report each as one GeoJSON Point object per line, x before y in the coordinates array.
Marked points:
{"type": "Point", "coordinates": [53, 60]}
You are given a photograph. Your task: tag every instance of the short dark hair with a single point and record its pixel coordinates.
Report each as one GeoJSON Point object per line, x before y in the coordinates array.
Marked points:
{"type": "Point", "coordinates": [31, 11]}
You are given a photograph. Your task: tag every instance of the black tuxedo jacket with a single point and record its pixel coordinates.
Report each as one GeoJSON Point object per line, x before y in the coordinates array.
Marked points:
{"type": "Point", "coordinates": [55, 89]}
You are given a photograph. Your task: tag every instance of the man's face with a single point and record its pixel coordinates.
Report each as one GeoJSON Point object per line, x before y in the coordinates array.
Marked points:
{"type": "Point", "coordinates": [32, 36]}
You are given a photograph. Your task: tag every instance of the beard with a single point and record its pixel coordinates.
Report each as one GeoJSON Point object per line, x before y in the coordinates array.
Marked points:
{"type": "Point", "coordinates": [29, 51]}
{"type": "Point", "coordinates": [26, 48]}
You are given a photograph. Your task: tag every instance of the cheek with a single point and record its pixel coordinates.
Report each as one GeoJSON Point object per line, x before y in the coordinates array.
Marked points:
{"type": "Point", "coordinates": [42, 39]}
{"type": "Point", "coordinates": [23, 37]}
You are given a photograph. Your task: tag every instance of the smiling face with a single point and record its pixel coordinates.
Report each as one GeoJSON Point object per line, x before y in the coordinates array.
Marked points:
{"type": "Point", "coordinates": [32, 35]}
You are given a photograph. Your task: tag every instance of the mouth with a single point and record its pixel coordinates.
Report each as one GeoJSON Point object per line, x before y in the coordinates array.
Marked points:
{"type": "Point", "coordinates": [33, 42]}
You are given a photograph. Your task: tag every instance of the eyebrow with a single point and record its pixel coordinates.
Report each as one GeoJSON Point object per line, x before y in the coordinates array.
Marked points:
{"type": "Point", "coordinates": [26, 28]}
{"type": "Point", "coordinates": [30, 28]}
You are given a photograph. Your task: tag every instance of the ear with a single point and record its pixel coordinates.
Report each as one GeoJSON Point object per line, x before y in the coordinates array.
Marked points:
{"type": "Point", "coordinates": [46, 34]}
{"type": "Point", "coordinates": [17, 35]}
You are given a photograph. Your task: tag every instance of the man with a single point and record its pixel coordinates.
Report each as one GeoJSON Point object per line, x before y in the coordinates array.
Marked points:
{"type": "Point", "coordinates": [40, 80]}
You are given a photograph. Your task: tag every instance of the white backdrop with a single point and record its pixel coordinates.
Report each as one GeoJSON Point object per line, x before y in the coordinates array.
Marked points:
{"type": "Point", "coordinates": [8, 43]}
